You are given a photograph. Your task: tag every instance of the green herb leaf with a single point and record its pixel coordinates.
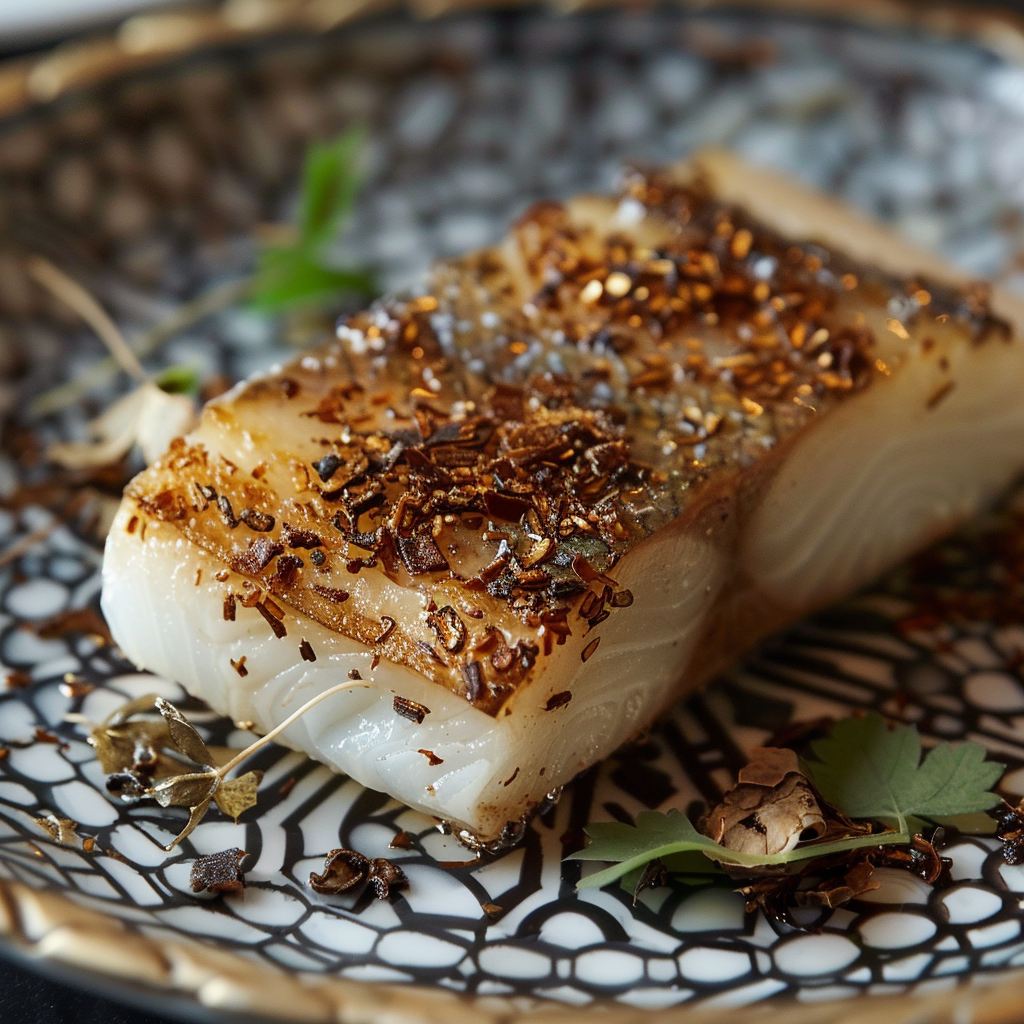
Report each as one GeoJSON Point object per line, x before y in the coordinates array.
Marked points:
{"type": "Point", "coordinates": [330, 183]}
{"type": "Point", "coordinates": [179, 380]}
{"type": "Point", "coordinates": [298, 274]}
{"type": "Point", "coordinates": [868, 770]}
{"type": "Point", "coordinates": [658, 835]}
{"type": "Point", "coordinates": [291, 276]}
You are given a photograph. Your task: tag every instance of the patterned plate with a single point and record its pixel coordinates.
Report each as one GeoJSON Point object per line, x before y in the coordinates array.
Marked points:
{"type": "Point", "coordinates": [149, 191]}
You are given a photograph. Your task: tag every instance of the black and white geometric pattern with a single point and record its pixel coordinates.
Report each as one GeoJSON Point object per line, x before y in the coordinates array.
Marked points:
{"type": "Point", "coordinates": [150, 190]}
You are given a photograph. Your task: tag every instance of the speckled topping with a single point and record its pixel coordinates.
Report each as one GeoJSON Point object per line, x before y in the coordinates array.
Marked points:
{"type": "Point", "coordinates": [498, 443]}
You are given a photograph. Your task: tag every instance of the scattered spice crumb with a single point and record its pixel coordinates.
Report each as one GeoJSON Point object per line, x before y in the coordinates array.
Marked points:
{"type": "Point", "coordinates": [558, 700]}
{"type": "Point", "coordinates": [86, 620]}
{"type": "Point", "coordinates": [492, 910]}
{"type": "Point", "coordinates": [74, 687]}
{"type": "Point", "coordinates": [306, 650]}
{"type": "Point", "coordinates": [432, 758]}
{"type": "Point", "coordinates": [45, 736]}
{"type": "Point", "coordinates": [590, 648]}
{"type": "Point", "coordinates": [287, 786]}
{"type": "Point", "coordinates": [18, 680]}
{"type": "Point", "coordinates": [353, 673]}
{"type": "Point", "coordinates": [61, 830]}
{"type": "Point", "coordinates": [389, 627]}
{"type": "Point", "coordinates": [218, 872]}
{"type": "Point", "coordinates": [276, 625]}
{"type": "Point", "coordinates": [402, 841]}
{"type": "Point", "coordinates": [410, 709]}
{"type": "Point", "coordinates": [239, 666]}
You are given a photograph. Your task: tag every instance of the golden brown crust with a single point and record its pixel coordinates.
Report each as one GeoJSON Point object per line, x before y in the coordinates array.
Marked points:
{"type": "Point", "coordinates": [494, 447]}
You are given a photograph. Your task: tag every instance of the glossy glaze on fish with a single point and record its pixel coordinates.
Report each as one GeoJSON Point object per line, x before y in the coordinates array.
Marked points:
{"type": "Point", "coordinates": [570, 481]}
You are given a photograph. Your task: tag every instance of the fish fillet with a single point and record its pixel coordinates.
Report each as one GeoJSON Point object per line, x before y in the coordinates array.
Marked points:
{"type": "Point", "coordinates": [570, 481]}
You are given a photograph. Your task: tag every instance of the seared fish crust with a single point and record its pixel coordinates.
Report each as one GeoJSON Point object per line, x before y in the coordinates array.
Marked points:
{"type": "Point", "coordinates": [569, 482]}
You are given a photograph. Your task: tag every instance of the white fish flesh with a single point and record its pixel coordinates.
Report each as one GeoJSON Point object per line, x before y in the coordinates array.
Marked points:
{"type": "Point", "coordinates": [573, 479]}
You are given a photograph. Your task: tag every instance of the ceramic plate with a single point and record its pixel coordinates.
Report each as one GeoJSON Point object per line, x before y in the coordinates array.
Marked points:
{"type": "Point", "coordinates": [149, 190]}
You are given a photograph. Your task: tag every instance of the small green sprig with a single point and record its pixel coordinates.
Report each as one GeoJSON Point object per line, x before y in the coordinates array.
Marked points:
{"type": "Point", "coordinates": [867, 770]}
{"type": "Point", "coordinates": [298, 273]}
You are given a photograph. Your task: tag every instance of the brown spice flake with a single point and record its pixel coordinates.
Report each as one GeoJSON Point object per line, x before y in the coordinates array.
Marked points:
{"type": "Point", "coordinates": [18, 680]}
{"type": "Point", "coordinates": [287, 786]}
{"type": "Point", "coordinates": [276, 625]}
{"type": "Point", "coordinates": [492, 910]}
{"type": "Point", "coordinates": [258, 556]}
{"type": "Point", "coordinates": [389, 625]}
{"type": "Point", "coordinates": [294, 538]}
{"type": "Point", "coordinates": [590, 648]}
{"type": "Point", "coordinates": [73, 688]}
{"type": "Point", "coordinates": [402, 841]}
{"type": "Point", "coordinates": [229, 607]}
{"type": "Point", "coordinates": [512, 778]}
{"type": "Point", "coordinates": [432, 758]}
{"type": "Point", "coordinates": [558, 700]}
{"type": "Point", "coordinates": [218, 872]}
{"type": "Point", "coordinates": [76, 620]}
{"type": "Point", "coordinates": [258, 522]}
{"type": "Point", "coordinates": [306, 650]}
{"type": "Point", "coordinates": [448, 628]}
{"type": "Point", "coordinates": [331, 594]}
{"type": "Point", "coordinates": [410, 709]}
{"type": "Point", "coordinates": [939, 394]}
{"type": "Point", "coordinates": [239, 666]}
{"type": "Point", "coordinates": [420, 554]}
{"type": "Point", "coordinates": [227, 513]}
{"type": "Point", "coordinates": [45, 736]}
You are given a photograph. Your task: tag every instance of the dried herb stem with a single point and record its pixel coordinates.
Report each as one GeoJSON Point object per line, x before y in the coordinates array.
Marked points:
{"type": "Point", "coordinates": [214, 300]}
{"type": "Point", "coordinates": [223, 770]}
{"type": "Point", "coordinates": [26, 543]}
{"type": "Point", "coordinates": [75, 297]}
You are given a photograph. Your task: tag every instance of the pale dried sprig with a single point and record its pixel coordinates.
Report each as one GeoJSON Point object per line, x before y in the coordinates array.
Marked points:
{"type": "Point", "coordinates": [195, 790]}
{"type": "Point", "coordinates": [147, 416]}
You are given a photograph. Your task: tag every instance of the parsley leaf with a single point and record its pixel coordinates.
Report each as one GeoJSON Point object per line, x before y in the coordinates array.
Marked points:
{"type": "Point", "coordinates": [868, 770]}
{"type": "Point", "coordinates": [298, 273]}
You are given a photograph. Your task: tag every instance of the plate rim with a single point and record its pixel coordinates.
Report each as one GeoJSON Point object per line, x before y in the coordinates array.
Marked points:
{"type": "Point", "coordinates": [42, 925]}
{"type": "Point", "coordinates": [150, 40]}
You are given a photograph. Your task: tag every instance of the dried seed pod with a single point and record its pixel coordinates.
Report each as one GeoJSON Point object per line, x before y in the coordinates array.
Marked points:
{"type": "Point", "coordinates": [219, 872]}
{"type": "Point", "coordinates": [385, 876]}
{"type": "Point", "coordinates": [343, 870]}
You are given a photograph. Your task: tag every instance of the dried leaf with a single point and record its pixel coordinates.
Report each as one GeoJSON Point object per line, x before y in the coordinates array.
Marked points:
{"type": "Point", "coordinates": [147, 416]}
{"type": "Point", "coordinates": [343, 870]}
{"type": "Point", "coordinates": [184, 735]}
{"type": "Point", "coordinates": [219, 872]}
{"type": "Point", "coordinates": [61, 830]}
{"type": "Point", "coordinates": [196, 815]}
{"type": "Point", "coordinates": [770, 816]}
{"type": "Point", "coordinates": [185, 790]}
{"type": "Point", "coordinates": [385, 876]}
{"type": "Point", "coordinates": [235, 796]}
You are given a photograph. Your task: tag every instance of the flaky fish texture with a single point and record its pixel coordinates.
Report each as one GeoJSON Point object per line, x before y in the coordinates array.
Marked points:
{"type": "Point", "coordinates": [573, 479]}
